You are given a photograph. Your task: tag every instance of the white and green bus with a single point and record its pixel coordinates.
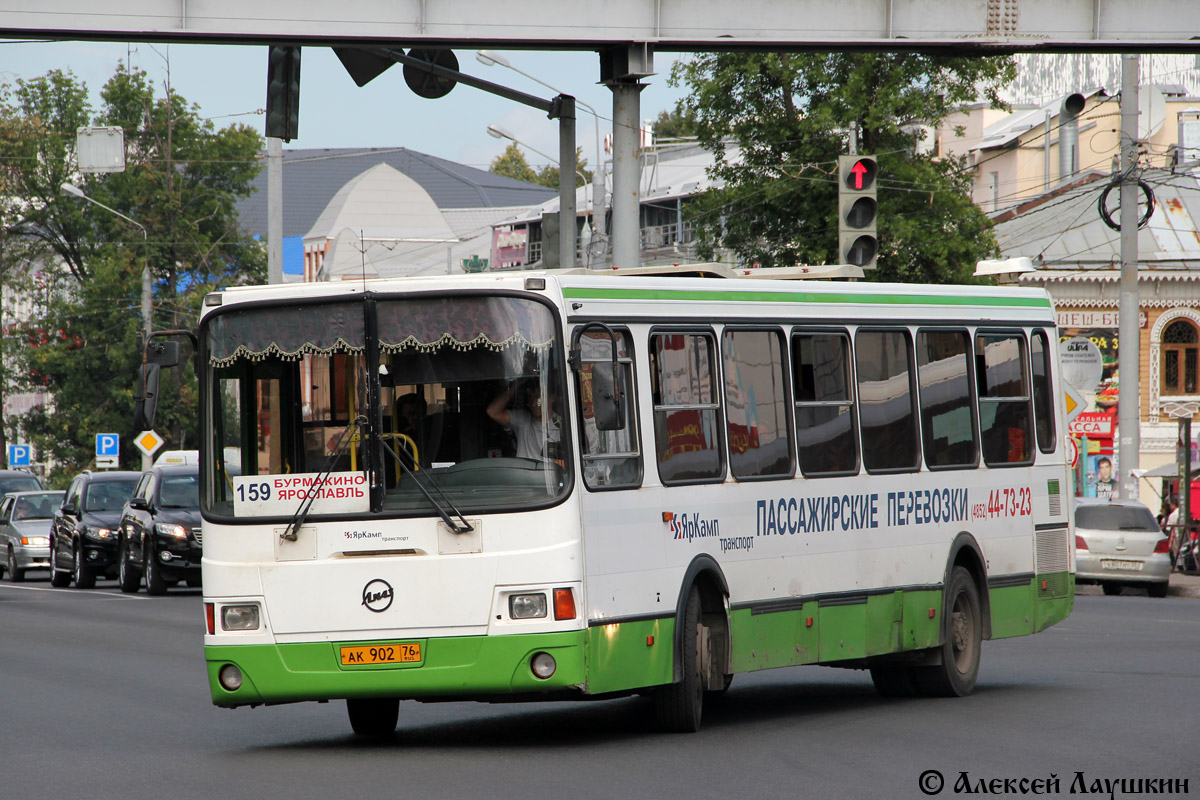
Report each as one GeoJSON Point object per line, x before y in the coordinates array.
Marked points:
{"type": "Point", "coordinates": [587, 485]}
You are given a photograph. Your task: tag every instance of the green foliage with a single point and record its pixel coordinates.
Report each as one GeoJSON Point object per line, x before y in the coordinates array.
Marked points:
{"type": "Point", "coordinates": [674, 124]}
{"type": "Point", "coordinates": [181, 182]}
{"type": "Point", "coordinates": [789, 115]}
{"type": "Point", "coordinates": [512, 164]}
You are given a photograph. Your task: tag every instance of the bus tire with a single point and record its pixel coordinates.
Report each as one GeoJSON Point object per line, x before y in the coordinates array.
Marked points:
{"type": "Point", "coordinates": [373, 716]}
{"type": "Point", "coordinates": [962, 638]}
{"type": "Point", "coordinates": [677, 706]}
{"type": "Point", "coordinates": [895, 681]}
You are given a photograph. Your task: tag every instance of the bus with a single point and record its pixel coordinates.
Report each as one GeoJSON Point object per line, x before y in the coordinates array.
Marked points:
{"type": "Point", "coordinates": [539, 485]}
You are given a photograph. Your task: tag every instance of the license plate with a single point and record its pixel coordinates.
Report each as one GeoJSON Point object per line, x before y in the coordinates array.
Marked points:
{"type": "Point", "coordinates": [392, 653]}
{"type": "Point", "coordinates": [1134, 566]}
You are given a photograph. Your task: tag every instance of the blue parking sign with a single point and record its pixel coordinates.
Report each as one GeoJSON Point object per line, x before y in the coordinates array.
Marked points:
{"type": "Point", "coordinates": [18, 455]}
{"type": "Point", "coordinates": [108, 444]}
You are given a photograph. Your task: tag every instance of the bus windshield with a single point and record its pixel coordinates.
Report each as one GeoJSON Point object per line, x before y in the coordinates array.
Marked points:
{"type": "Point", "coordinates": [291, 397]}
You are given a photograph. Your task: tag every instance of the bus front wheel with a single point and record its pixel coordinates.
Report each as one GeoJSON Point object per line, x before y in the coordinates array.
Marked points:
{"type": "Point", "coordinates": [677, 706]}
{"type": "Point", "coordinates": [374, 716]}
{"type": "Point", "coordinates": [962, 637]}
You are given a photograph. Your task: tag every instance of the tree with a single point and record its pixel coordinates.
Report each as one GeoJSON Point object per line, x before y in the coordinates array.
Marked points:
{"type": "Point", "coordinates": [674, 124]}
{"type": "Point", "coordinates": [512, 164]}
{"type": "Point", "coordinates": [789, 117]}
{"type": "Point", "coordinates": [181, 182]}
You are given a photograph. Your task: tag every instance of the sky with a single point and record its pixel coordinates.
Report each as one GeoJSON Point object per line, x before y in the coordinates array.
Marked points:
{"type": "Point", "coordinates": [228, 83]}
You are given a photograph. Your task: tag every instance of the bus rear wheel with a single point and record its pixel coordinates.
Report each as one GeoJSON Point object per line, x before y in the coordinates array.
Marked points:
{"type": "Point", "coordinates": [374, 716]}
{"type": "Point", "coordinates": [677, 706]}
{"type": "Point", "coordinates": [962, 637]}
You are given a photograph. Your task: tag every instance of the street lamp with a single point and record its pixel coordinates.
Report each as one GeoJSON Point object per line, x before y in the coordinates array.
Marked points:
{"type": "Point", "coordinates": [147, 323]}
{"type": "Point", "coordinates": [496, 132]}
{"type": "Point", "coordinates": [491, 58]}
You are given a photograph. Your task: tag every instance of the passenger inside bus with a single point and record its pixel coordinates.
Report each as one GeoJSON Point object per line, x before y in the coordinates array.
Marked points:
{"type": "Point", "coordinates": [534, 421]}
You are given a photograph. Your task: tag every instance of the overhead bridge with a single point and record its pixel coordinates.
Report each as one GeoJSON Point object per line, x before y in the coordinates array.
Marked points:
{"type": "Point", "coordinates": [1151, 26]}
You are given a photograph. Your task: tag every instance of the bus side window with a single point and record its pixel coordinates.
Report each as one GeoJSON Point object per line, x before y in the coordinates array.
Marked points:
{"type": "Point", "coordinates": [826, 433]}
{"type": "Point", "coordinates": [1043, 391]}
{"type": "Point", "coordinates": [944, 362]}
{"type": "Point", "coordinates": [887, 400]}
{"type": "Point", "coordinates": [687, 432]}
{"type": "Point", "coordinates": [1004, 399]}
{"type": "Point", "coordinates": [756, 404]}
{"type": "Point", "coordinates": [611, 459]}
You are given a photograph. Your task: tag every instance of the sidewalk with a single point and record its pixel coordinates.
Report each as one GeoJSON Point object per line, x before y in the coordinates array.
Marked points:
{"type": "Point", "coordinates": [1181, 586]}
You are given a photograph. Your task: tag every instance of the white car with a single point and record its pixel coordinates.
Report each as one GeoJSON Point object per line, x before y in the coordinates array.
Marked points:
{"type": "Point", "coordinates": [1118, 543]}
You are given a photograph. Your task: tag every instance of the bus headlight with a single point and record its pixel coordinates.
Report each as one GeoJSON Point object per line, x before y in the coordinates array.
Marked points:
{"type": "Point", "coordinates": [239, 617]}
{"type": "Point", "coordinates": [527, 606]}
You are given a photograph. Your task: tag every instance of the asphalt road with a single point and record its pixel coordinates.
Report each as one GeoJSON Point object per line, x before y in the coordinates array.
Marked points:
{"type": "Point", "coordinates": [103, 695]}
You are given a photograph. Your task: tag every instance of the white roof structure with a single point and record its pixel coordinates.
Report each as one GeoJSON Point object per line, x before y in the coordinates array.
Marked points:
{"type": "Point", "coordinates": [667, 174]}
{"type": "Point", "coordinates": [1070, 244]}
{"type": "Point", "coordinates": [383, 224]}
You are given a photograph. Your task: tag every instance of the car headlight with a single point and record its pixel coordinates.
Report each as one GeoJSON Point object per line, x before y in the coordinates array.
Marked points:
{"type": "Point", "coordinates": [98, 534]}
{"type": "Point", "coordinates": [170, 529]}
{"type": "Point", "coordinates": [35, 541]}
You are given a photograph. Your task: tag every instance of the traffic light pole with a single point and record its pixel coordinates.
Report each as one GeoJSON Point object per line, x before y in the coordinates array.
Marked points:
{"type": "Point", "coordinates": [561, 108]}
{"type": "Point", "coordinates": [274, 210]}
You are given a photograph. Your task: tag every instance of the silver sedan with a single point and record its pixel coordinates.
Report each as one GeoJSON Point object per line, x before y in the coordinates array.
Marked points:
{"type": "Point", "coordinates": [25, 531]}
{"type": "Point", "coordinates": [1118, 543]}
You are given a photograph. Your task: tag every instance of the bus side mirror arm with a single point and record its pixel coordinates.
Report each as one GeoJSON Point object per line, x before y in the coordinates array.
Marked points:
{"type": "Point", "coordinates": [606, 382]}
{"type": "Point", "coordinates": [155, 356]}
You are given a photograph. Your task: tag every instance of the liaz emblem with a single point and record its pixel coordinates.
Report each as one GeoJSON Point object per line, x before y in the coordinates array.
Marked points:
{"type": "Point", "coordinates": [377, 595]}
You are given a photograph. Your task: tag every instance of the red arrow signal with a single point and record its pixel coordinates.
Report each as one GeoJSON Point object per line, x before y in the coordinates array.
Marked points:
{"type": "Point", "coordinates": [858, 170]}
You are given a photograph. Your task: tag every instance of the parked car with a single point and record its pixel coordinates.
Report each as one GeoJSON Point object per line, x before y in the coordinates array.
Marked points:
{"type": "Point", "coordinates": [25, 519]}
{"type": "Point", "coordinates": [16, 480]}
{"type": "Point", "coordinates": [1117, 544]}
{"type": "Point", "coordinates": [159, 533]}
{"type": "Point", "coordinates": [83, 541]}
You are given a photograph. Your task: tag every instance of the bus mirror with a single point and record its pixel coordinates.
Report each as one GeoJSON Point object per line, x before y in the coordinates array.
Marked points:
{"type": "Point", "coordinates": [606, 398]}
{"type": "Point", "coordinates": [164, 354]}
{"type": "Point", "coordinates": [146, 400]}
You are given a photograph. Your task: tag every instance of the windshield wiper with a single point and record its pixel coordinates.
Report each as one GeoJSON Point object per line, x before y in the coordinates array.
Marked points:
{"type": "Point", "coordinates": [465, 527]}
{"type": "Point", "coordinates": [293, 527]}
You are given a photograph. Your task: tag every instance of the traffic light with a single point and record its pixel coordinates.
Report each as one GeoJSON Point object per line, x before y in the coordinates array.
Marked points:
{"type": "Point", "coordinates": [283, 93]}
{"type": "Point", "coordinates": [857, 211]}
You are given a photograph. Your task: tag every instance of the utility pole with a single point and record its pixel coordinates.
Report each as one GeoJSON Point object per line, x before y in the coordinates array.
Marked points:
{"type": "Point", "coordinates": [274, 210]}
{"type": "Point", "coordinates": [1129, 346]}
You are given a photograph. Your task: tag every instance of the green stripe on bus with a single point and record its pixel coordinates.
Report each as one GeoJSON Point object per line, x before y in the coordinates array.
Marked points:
{"type": "Point", "coordinates": [452, 665]}
{"type": "Point", "coordinates": [745, 296]}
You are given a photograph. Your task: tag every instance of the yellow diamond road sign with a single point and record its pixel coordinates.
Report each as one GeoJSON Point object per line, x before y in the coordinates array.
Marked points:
{"type": "Point", "coordinates": [1073, 401]}
{"type": "Point", "coordinates": [148, 442]}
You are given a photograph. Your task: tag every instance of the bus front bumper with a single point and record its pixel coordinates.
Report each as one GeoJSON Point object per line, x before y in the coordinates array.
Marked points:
{"type": "Point", "coordinates": [466, 666]}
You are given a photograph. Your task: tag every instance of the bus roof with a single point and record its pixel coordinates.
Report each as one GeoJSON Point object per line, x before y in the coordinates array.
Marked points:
{"type": "Point", "coordinates": [690, 290]}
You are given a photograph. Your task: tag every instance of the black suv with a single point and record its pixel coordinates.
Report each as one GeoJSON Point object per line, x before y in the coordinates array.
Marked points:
{"type": "Point", "coordinates": [159, 533]}
{"type": "Point", "coordinates": [83, 536]}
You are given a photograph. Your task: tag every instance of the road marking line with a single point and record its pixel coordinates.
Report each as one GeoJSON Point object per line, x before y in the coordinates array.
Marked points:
{"type": "Point", "coordinates": [75, 592]}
